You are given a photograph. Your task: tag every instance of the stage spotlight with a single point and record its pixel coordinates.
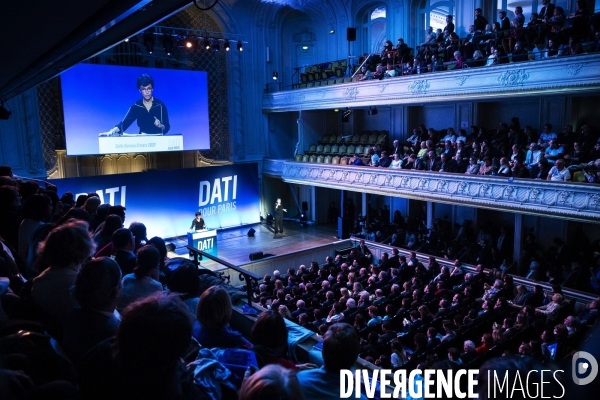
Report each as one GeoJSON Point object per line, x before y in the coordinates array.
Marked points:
{"type": "Point", "coordinates": [303, 220]}
{"type": "Point", "coordinates": [227, 46]}
{"type": "Point", "coordinates": [269, 219]}
{"type": "Point", "coordinates": [332, 31]}
{"type": "Point", "coordinates": [240, 46]}
{"type": "Point", "coordinates": [275, 75]}
{"type": "Point", "coordinates": [372, 111]}
{"type": "Point", "coordinates": [216, 46]}
{"type": "Point", "coordinates": [188, 43]}
{"type": "Point", "coordinates": [168, 44]}
{"type": "Point", "coordinates": [149, 41]}
{"type": "Point", "coordinates": [251, 232]}
{"type": "Point", "coordinates": [207, 44]}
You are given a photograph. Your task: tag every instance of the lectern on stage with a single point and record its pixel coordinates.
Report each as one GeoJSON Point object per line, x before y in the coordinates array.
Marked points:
{"type": "Point", "coordinates": [204, 240]}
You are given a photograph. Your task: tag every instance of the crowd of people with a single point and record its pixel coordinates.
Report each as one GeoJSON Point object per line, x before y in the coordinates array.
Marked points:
{"type": "Point", "coordinates": [548, 259]}
{"type": "Point", "coordinates": [549, 33]}
{"type": "Point", "coordinates": [415, 314]}
{"type": "Point", "coordinates": [509, 151]}
{"type": "Point", "coordinates": [91, 309]}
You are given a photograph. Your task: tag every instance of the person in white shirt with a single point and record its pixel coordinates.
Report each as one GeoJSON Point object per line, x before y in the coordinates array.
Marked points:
{"type": "Point", "coordinates": [414, 138]}
{"type": "Point", "coordinates": [462, 135]}
{"type": "Point", "coordinates": [396, 163]}
{"type": "Point", "coordinates": [390, 72]}
{"type": "Point", "coordinates": [450, 135]}
{"type": "Point", "coordinates": [534, 155]}
{"type": "Point", "coordinates": [546, 135]}
{"type": "Point", "coordinates": [559, 172]}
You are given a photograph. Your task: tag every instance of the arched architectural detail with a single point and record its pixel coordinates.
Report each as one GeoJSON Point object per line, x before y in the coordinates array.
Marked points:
{"type": "Point", "coordinates": [371, 33]}
{"type": "Point", "coordinates": [424, 13]}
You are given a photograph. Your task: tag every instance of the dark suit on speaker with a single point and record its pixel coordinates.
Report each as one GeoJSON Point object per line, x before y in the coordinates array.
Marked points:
{"type": "Point", "coordinates": [278, 218]}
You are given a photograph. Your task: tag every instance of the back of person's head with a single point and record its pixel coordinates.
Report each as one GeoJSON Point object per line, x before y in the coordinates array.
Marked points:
{"type": "Point", "coordinates": [98, 284]}
{"type": "Point", "coordinates": [9, 197]}
{"type": "Point", "coordinates": [214, 308]}
{"type": "Point", "coordinates": [28, 189]}
{"type": "Point", "coordinates": [67, 199]}
{"type": "Point", "coordinates": [121, 238]}
{"type": "Point", "coordinates": [92, 204]}
{"type": "Point", "coordinates": [67, 245]}
{"type": "Point", "coordinates": [469, 346]}
{"type": "Point", "coordinates": [111, 224]}
{"type": "Point", "coordinates": [340, 347]}
{"type": "Point", "coordinates": [139, 231]}
{"type": "Point", "coordinates": [270, 331]}
{"type": "Point", "coordinates": [147, 259]}
{"type": "Point", "coordinates": [154, 332]}
{"type": "Point", "coordinates": [185, 280]}
{"type": "Point", "coordinates": [37, 207]}
{"type": "Point", "coordinates": [6, 170]}
{"type": "Point", "coordinates": [102, 213]}
{"type": "Point", "coordinates": [160, 244]}
{"type": "Point", "coordinates": [117, 210]}
{"type": "Point", "coordinates": [75, 213]}
{"type": "Point", "coordinates": [271, 382]}
{"type": "Point", "coordinates": [81, 200]}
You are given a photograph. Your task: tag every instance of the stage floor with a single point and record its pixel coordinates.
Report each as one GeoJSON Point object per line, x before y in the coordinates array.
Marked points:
{"type": "Point", "coordinates": [235, 246]}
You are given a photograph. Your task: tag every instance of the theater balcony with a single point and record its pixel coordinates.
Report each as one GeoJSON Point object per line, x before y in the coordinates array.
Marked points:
{"type": "Point", "coordinates": [567, 200]}
{"type": "Point", "coordinates": [573, 74]}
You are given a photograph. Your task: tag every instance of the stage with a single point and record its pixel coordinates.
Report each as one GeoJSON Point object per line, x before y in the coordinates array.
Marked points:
{"type": "Point", "coordinates": [235, 245]}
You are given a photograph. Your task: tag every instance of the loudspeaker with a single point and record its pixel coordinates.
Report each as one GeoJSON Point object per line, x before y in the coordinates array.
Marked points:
{"type": "Point", "coordinates": [351, 34]}
{"type": "Point", "coordinates": [251, 232]}
{"type": "Point", "coordinates": [256, 256]}
{"type": "Point", "coordinates": [305, 206]}
{"type": "Point", "coordinates": [344, 227]}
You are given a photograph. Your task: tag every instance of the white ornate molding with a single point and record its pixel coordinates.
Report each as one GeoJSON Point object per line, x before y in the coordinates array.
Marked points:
{"type": "Point", "coordinates": [564, 74]}
{"type": "Point", "coordinates": [576, 201]}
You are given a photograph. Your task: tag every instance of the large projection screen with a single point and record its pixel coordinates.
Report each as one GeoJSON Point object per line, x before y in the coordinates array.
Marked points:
{"type": "Point", "coordinates": [169, 114]}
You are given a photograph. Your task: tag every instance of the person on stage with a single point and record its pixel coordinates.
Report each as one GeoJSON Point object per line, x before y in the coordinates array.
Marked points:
{"type": "Point", "coordinates": [198, 223]}
{"type": "Point", "coordinates": [150, 113]}
{"type": "Point", "coordinates": [279, 210]}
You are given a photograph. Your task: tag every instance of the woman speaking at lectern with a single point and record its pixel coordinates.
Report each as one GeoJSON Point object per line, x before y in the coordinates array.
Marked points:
{"type": "Point", "coordinates": [198, 223]}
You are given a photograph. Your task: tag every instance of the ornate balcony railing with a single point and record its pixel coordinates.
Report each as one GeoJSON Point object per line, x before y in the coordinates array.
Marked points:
{"type": "Point", "coordinates": [575, 201]}
{"type": "Point", "coordinates": [557, 74]}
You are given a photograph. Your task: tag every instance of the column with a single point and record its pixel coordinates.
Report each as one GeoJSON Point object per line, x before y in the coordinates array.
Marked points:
{"type": "Point", "coordinates": [518, 237]}
{"type": "Point", "coordinates": [364, 204]}
{"type": "Point", "coordinates": [430, 213]}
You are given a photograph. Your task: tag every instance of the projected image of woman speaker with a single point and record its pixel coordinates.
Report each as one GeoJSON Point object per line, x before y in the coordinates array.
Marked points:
{"type": "Point", "coordinates": [149, 112]}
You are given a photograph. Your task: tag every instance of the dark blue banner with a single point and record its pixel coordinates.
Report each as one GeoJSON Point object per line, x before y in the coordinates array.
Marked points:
{"type": "Point", "coordinates": [165, 201]}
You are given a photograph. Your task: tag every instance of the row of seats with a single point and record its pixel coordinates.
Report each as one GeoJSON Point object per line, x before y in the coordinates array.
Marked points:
{"type": "Point", "coordinates": [328, 159]}
{"type": "Point", "coordinates": [319, 73]}
{"type": "Point", "coordinates": [367, 137]}
{"type": "Point", "coordinates": [336, 150]}
{"type": "Point", "coordinates": [331, 81]}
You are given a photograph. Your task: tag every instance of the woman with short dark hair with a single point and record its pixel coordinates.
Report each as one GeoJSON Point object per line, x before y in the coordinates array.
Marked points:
{"type": "Point", "coordinates": [212, 326]}
{"type": "Point", "coordinates": [144, 280]}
